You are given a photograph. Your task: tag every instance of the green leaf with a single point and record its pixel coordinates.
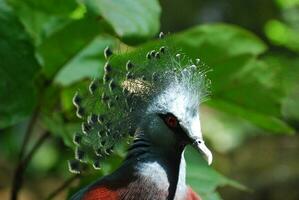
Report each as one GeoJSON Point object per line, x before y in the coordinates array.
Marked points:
{"type": "Point", "coordinates": [49, 6]}
{"type": "Point", "coordinates": [215, 43]}
{"type": "Point", "coordinates": [211, 196]}
{"type": "Point", "coordinates": [66, 98]}
{"type": "Point", "coordinates": [250, 93]}
{"type": "Point", "coordinates": [132, 20]}
{"type": "Point", "coordinates": [290, 105]}
{"type": "Point", "coordinates": [87, 63]}
{"type": "Point", "coordinates": [40, 18]}
{"type": "Point", "coordinates": [267, 122]}
{"type": "Point", "coordinates": [280, 33]}
{"type": "Point", "coordinates": [55, 124]}
{"type": "Point", "coordinates": [17, 71]}
{"type": "Point", "coordinates": [287, 78]}
{"type": "Point", "coordinates": [204, 179]}
{"type": "Point", "coordinates": [62, 46]}
{"type": "Point", "coordinates": [239, 81]}
{"type": "Point", "coordinates": [45, 158]}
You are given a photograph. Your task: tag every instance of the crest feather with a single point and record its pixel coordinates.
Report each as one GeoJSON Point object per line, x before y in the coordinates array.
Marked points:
{"type": "Point", "coordinates": [111, 108]}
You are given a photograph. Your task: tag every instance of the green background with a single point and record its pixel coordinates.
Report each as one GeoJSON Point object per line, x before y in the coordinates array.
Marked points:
{"type": "Point", "coordinates": [49, 48]}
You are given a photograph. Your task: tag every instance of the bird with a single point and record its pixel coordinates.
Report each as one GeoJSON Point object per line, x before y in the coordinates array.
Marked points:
{"type": "Point", "coordinates": [152, 102]}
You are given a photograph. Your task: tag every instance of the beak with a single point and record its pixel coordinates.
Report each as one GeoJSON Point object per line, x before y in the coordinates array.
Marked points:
{"type": "Point", "coordinates": [200, 146]}
{"type": "Point", "coordinates": [194, 135]}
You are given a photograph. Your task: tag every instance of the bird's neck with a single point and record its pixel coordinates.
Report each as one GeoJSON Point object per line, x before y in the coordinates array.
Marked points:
{"type": "Point", "coordinates": [165, 170]}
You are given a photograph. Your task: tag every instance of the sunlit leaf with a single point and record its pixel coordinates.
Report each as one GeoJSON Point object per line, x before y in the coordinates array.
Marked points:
{"type": "Point", "coordinates": [63, 46]}
{"type": "Point", "coordinates": [282, 34]}
{"type": "Point", "coordinates": [49, 6]}
{"type": "Point", "coordinates": [131, 20]}
{"type": "Point", "coordinates": [42, 17]}
{"type": "Point", "coordinates": [87, 63]}
{"type": "Point", "coordinates": [45, 158]}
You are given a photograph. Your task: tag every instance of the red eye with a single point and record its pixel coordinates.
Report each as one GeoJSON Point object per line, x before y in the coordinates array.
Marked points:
{"type": "Point", "coordinates": [171, 121]}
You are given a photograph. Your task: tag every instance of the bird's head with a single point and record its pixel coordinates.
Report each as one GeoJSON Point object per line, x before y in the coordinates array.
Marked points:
{"type": "Point", "coordinates": [172, 118]}
{"type": "Point", "coordinates": [159, 94]}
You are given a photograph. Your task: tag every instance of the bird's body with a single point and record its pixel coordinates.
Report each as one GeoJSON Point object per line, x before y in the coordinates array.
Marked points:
{"type": "Point", "coordinates": [163, 112]}
{"type": "Point", "coordinates": [148, 176]}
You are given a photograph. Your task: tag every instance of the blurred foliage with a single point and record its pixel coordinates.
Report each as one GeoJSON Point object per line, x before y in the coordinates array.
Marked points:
{"type": "Point", "coordinates": [17, 56]}
{"type": "Point", "coordinates": [204, 180]}
{"type": "Point", "coordinates": [49, 49]}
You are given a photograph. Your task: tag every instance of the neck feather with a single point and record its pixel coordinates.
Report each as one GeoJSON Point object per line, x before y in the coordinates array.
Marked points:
{"type": "Point", "coordinates": [164, 170]}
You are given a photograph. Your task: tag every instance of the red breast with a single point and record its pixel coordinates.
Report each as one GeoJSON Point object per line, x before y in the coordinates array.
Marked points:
{"type": "Point", "coordinates": [191, 195]}
{"type": "Point", "coordinates": [103, 193]}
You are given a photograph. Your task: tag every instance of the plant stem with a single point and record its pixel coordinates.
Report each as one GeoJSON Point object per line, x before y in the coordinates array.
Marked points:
{"type": "Point", "coordinates": [36, 146]}
{"type": "Point", "coordinates": [63, 186]}
{"type": "Point", "coordinates": [29, 131]}
{"type": "Point", "coordinates": [22, 165]}
{"type": "Point", "coordinates": [23, 162]}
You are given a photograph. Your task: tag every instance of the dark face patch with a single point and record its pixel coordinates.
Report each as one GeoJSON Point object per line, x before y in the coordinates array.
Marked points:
{"type": "Point", "coordinates": [171, 121]}
{"type": "Point", "coordinates": [173, 124]}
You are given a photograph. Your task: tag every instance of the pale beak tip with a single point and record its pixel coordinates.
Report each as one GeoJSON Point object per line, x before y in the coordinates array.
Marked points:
{"type": "Point", "coordinates": [202, 148]}
{"type": "Point", "coordinates": [210, 159]}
